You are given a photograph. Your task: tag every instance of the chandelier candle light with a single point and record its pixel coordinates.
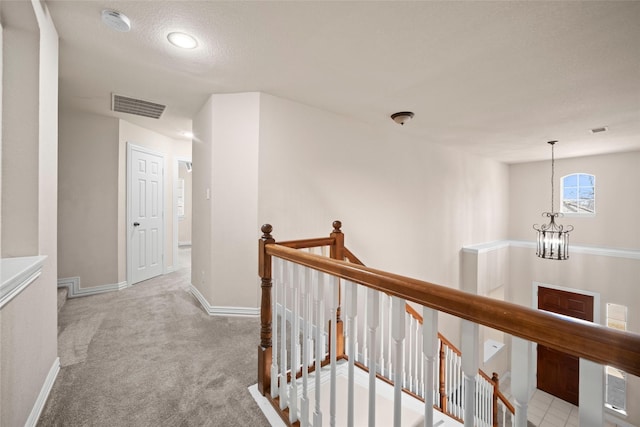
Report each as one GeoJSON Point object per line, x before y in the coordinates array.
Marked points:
{"type": "Point", "coordinates": [553, 239]}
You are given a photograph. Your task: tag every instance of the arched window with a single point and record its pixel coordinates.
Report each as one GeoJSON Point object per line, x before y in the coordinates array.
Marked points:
{"type": "Point", "coordinates": [578, 194]}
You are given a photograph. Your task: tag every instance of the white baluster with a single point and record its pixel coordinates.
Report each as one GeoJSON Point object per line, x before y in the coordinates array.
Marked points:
{"type": "Point", "coordinates": [332, 281]}
{"type": "Point", "coordinates": [306, 301]}
{"type": "Point", "coordinates": [365, 335]}
{"type": "Point", "coordinates": [277, 283]}
{"type": "Point", "coordinates": [381, 337]}
{"type": "Point", "coordinates": [430, 347]}
{"type": "Point", "coordinates": [437, 377]}
{"type": "Point", "coordinates": [283, 338]}
{"type": "Point", "coordinates": [318, 296]}
{"type": "Point", "coordinates": [372, 322]}
{"type": "Point", "coordinates": [411, 366]}
{"type": "Point", "coordinates": [480, 412]}
{"type": "Point", "coordinates": [397, 334]}
{"type": "Point", "coordinates": [388, 338]}
{"type": "Point", "coordinates": [295, 334]}
{"type": "Point", "coordinates": [469, 369]}
{"type": "Point", "coordinates": [451, 378]}
{"type": "Point", "coordinates": [419, 361]}
{"type": "Point", "coordinates": [351, 310]}
{"type": "Point", "coordinates": [356, 343]}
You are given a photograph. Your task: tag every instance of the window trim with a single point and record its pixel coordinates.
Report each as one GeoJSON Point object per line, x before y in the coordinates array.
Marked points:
{"type": "Point", "coordinates": [577, 214]}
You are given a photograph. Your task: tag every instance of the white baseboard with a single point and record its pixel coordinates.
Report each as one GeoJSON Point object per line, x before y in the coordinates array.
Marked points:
{"type": "Point", "coordinates": [169, 269]}
{"type": "Point", "coordinates": [73, 284]}
{"type": "Point", "coordinates": [213, 310]}
{"type": "Point", "coordinates": [184, 243]}
{"type": "Point", "coordinates": [44, 394]}
{"type": "Point", "coordinates": [266, 407]}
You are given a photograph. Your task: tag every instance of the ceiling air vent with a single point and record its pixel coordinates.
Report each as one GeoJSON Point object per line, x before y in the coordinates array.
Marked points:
{"type": "Point", "coordinates": [598, 130]}
{"type": "Point", "coordinates": [123, 104]}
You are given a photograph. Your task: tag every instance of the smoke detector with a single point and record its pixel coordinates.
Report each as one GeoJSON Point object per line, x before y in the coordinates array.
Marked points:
{"type": "Point", "coordinates": [116, 20]}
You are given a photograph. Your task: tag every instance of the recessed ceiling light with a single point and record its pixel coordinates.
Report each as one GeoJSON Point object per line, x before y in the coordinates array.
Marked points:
{"type": "Point", "coordinates": [116, 20]}
{"type": "Point", "coordinates": [182, 40]}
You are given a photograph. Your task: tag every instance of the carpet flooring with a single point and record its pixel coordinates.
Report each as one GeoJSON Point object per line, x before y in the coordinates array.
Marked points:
{"type": "Point", "coordinates": [148, 355]}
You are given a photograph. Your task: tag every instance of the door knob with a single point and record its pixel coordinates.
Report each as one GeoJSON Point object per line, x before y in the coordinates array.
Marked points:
{"type": "Point", "coordinates": [135, 224]}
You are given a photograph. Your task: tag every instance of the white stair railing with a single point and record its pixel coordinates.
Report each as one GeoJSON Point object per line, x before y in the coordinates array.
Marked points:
{"type": "Point", "coordinates": [305, 304]}
{"type": "Point", "coordinates": [285, 323]}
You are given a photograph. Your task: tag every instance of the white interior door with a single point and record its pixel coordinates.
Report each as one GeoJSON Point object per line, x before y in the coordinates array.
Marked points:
{"type": "Point", "coordinates": [146, 214]}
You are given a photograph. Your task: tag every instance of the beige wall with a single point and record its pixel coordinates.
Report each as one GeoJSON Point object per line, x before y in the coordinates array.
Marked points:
{"type": "Point", "coordinates": [92, 196]}
{"type": "Point", "coordinates": [225, 161]}
{"type": "Point", "coordinates": [407, 205]}
{"type": "Point", "coordinates": [88, 198]}
{"type": "Point", "coordinates": [184, 224]}
{"type": "Point", "coordinates": [615, 224]}
{"type": "Point", "coordinates": [28, 323]}
{"type": "Point", "coordinates": [201, 240]}
{"type": "Point", "coordinates": [20, 141]}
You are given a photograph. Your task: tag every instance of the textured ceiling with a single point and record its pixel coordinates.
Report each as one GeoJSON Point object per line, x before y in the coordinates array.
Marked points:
{"type": "Point", "coordinates": [498, 79]}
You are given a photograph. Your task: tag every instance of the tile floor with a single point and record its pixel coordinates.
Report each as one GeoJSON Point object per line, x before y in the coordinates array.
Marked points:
{"type": "Point", "coordinates": [546, 410]}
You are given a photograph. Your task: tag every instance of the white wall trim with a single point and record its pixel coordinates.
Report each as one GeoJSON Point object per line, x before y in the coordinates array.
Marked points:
{"type": "Point", "coordinates": [609, 416]}
{"type": "Point", "coordinates": [266, 407]}
{"type": "Point", "coordinates": [486, 247]}
{"type": "Point", "coordinates": [217, 310]}
{"type": "Point", "coordinates": [73, 284]}
{"type": "Point", "coordinates": [44, 394]}
{"type": "Point", "coordinates": [573, 249]}
{"type": "Point", "coordinates": [18, 273]}
{"type": "Point", "coordinates": [184, 243]}
{"type": "Point", "coordinates": [169, 269]}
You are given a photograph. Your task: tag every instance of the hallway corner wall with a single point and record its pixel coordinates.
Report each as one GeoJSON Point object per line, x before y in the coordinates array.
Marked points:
{"type": "Point", "coordinates": [28, 322]}
{"type": "Point", "coordinates": [225, 201]}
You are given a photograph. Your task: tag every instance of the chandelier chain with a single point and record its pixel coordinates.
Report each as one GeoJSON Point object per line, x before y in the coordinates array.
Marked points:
{"type": "Point", "coordinates": [552, 176]}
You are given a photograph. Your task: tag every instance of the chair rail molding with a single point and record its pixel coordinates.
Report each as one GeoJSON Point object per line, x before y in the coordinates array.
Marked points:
{"type": "Point", "coordinates": [17, 274]}
{"type": "Point", "coordinates": [575, 249]}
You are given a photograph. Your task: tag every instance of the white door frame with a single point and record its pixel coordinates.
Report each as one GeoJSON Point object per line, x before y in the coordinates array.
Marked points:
{"type": "Point", "coordinates": [129, 224]}
{"type": "Point", "coordinates": [176, 173]}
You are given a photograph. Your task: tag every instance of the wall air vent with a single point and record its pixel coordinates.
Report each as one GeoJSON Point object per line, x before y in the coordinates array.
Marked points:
{"type": "Point", "coordinates": [123, 104]}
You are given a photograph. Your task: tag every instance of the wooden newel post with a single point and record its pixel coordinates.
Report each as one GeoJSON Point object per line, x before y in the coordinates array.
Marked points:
{"type": "Point", "coordinates": [264, 349]}
{"type": "Point", "coordinates": [337, 252]}
{"type": "Point", "coordinates": [496, 388]}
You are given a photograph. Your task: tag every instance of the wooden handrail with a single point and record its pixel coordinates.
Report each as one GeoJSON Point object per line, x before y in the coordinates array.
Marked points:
{"type": "Point", "coordinates": [349, 256]}
{"type": "Point", "coordinates": [573, 336]}
{"type": "Point", "coordinates": [308, 243]}
{"type": "Point", "coordinates": [506, 402]}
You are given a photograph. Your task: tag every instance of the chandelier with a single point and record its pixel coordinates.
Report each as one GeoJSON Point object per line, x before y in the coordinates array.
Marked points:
{"type": "Point", "coordinates": [553, 239]}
